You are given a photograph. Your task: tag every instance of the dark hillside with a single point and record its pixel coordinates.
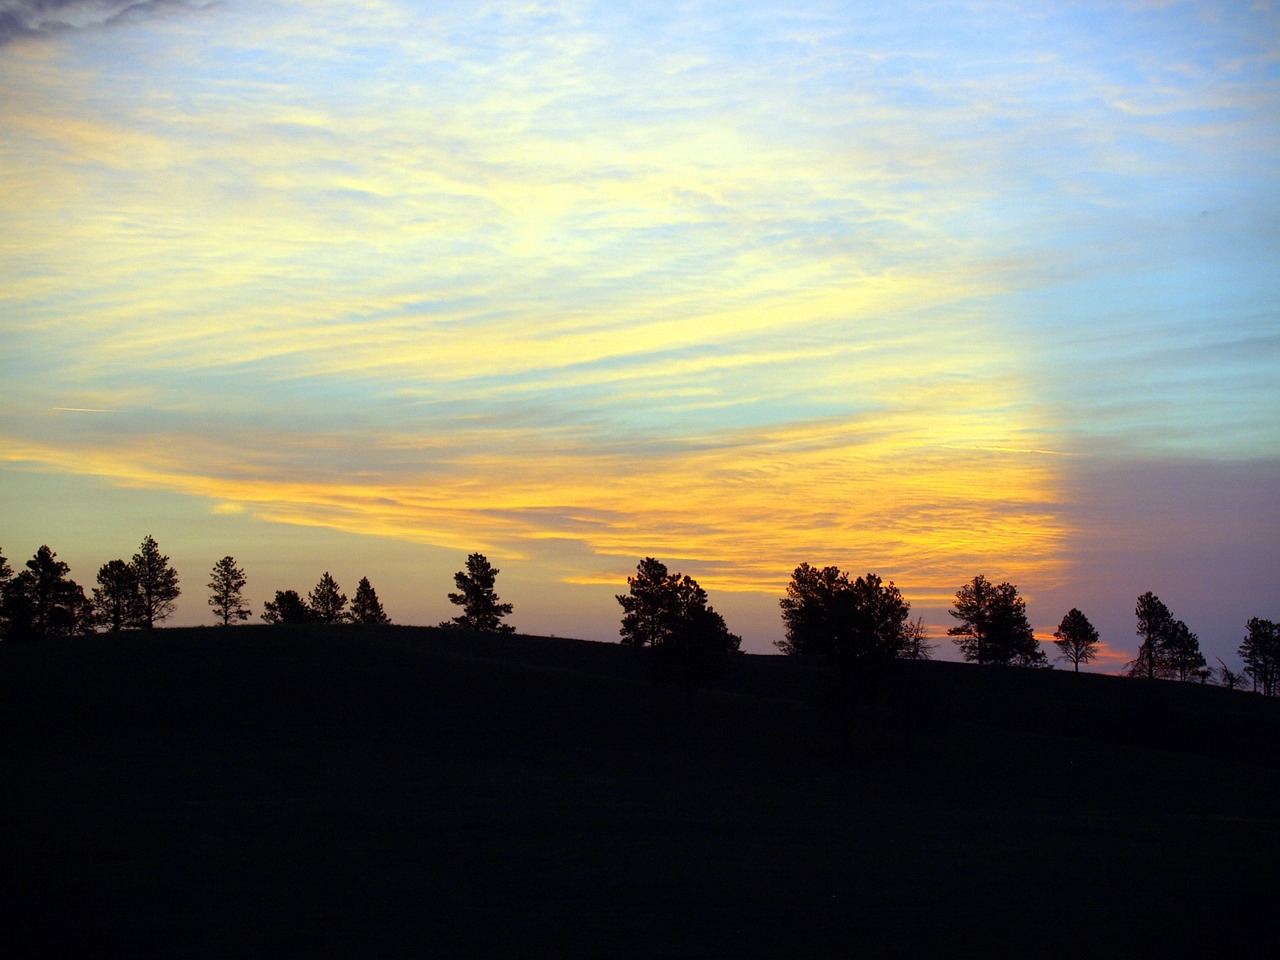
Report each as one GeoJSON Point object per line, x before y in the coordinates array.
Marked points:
{"type": "Point", "coordinates": [400, 791]}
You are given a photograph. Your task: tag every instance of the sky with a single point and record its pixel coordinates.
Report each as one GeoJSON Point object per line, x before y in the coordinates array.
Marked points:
{"type": "Point", "coordinates": [931, 291]}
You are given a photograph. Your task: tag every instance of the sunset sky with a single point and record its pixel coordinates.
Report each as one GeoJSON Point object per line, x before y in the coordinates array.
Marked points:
{"type": "Point", "coordinates": [931, 291]}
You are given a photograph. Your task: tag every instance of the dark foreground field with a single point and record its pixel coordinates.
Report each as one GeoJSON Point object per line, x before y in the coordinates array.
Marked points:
{"type": "Point", "coordinates": [345, 792]}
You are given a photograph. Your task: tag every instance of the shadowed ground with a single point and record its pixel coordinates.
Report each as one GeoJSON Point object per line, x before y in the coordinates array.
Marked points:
{"type": "Point", "coordinates": [401, 791]}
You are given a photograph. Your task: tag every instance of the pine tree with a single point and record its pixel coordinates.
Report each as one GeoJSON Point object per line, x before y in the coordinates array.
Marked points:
{"type": "Point", "coordinates": [481, 610]}
{"type": "Point", "coordinates": [1076, 639]}
{"type": "Point", "coordinates": [115, 599]}
{"type": "Point", "coordinates": [1182, 649]}
{"type": "Point", "coordinates": [287, 607]}
{"type": "Point", "coordinates": [42, 601]}
{"type": "Point", "coordinates": [1260, 652]}
{"type": "Point", "coordinates": [647, 604]}
{"type": "Point", "coordinates": [809, 615]}
{"type": "Point", "coordinates": [365, 608]}
{"type": "Point", "coordinates": [328, 604]}
{"type": "Point", "coordinates": [226, 583]}
{"type": "Point", "coordinates": [157, 584]}
{"type": "Point", "coordinates": [1155, 624]}
{"type": "Point", "coordinates": [669, 615]}
{"type": "Point", "coordinates": [993, 627]}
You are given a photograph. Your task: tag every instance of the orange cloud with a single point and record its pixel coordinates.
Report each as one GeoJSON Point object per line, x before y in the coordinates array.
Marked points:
{"type": "Point", "coordinates": [893, 492]}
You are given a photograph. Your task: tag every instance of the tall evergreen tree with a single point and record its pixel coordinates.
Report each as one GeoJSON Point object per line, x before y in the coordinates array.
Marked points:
{"type": "Point", "coordinates": [1155, 624]}
{"type": "Point", "coordinates": [327, 602]}
{"type": "Point", "coordinates": [481, 609]}
{"type": "Point", "coordinates": [1076, 639]}
{"type": "Point", "coordinates": [646, 607]}
{"type": "Point", "coordinates": [366, 608]}
{"type": "Point", "coordinates": [115, 598]}
{"type": "Point", "coordinates": [1260, 652]}
{"type": "Point", "coordinates": [993, 627]}
{"type": "Point", "coordinates": [226, 582]}
{"type": "Point", "coordinates": [157, 584]}
{"type": "Point", "coordinates": [1182, 651]}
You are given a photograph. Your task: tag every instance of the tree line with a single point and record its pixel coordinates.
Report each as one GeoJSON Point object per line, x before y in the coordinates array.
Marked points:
{"type": "Point", "coordinates": [41, 600]}
{"type": "Point", "coordinates": [857, 623]}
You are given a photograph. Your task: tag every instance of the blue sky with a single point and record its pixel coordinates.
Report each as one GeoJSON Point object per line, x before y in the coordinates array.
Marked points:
{"type": "Point", "coordinates": [937, 291]}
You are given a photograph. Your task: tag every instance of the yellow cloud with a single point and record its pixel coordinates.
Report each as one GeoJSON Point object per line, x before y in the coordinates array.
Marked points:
{"type": "Point", "coordinates": [925, 497]}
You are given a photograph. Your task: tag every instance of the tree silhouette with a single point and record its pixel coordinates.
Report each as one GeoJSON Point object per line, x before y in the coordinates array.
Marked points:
{"type": "Point", "coordinates": [669, 614]}
{"type": "Point", "coordinates": [365, 608]}
{"type": "Point", "coordinates": [915, 641]}
{"type": "Point", "coordinates": [226, 581]}
{"type": "Point", "coordinates": [826, 613]}
{"type": "Point", "coordinates": [809, 615]}
{"type": "Point", "coordinates": [115, 598]}
{"type": "Point", "coordinates": [42, 601]}
{"type": "Point", "coordinates": [1260, 652]}
{"type": "Point", "coordinates": [287, 607]}
{"type": "Point", "coordinates": [481, 610]}
{"type": "Point", "coordinates": [327, 602]}
{"type": "Point", "coordinates": [1076, 639]}
{"type": "Point", "coordinates": [1155, 623]}
{"type": "Point", "coordinates": [1182, 651]}
{"type": "Point", "coordinates": [157, 584]}
{"type": "Point", "coordinates": [993, 627]}
{"type": "Point", "coordinates": [646, 608]}
{"type": "Point", "coordinates": [1231, 679]}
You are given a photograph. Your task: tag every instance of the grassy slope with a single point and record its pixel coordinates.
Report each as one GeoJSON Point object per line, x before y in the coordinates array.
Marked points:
{"type": "Point", "coordinates": [316, 791]}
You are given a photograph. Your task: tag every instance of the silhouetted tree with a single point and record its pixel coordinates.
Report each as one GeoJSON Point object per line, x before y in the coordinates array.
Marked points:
{"type": "Point", "coordinates": [115, 598]}
{"type": "Point", "coordinates": [871, 621]}
{"type": "Point", "coordinates": [1260, 652]}
{"type": "Point", "coordinates": [1231, 679]}
{"type": "Point", "coordinates": [824, 612]}
{"type": "Point", "coordinates": [993, 627]}
{"type": "Point", "coordinates": [646, 608]}
{"type": "Point", "coordinates": [915, 641]}
{"type": "Point", "coordinates": [157, 584]}
{"type": "Point", "coordinates": [1182, 651]}
{"type": "Point", "coordinates": [1155, 624]}
{"type": "Point", "coordinates": [1076, 639]}
{"type": "Point", "coordinates": [42, 601]}
{"type": "Point", "coordinates": [365, 608]}
{"type": "Point", "coordinates": [809, 614]}
{"type": "Point", "coordinates": [481, 609]}
{"type": "Point", "coordinates": [226, 582]}
{"type": "Point", "coordinates": [669, 614]}
{"type": "Point", "coordinates": [327, 602]}
{"type": "Point", "coordinates": [287, 607]}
